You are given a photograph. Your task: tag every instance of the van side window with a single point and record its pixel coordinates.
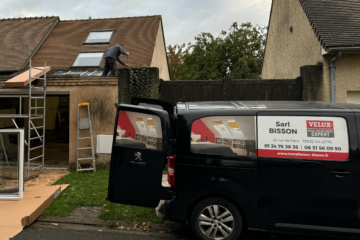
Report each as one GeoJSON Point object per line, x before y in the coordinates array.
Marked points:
{"type": "Point", "coordinates": [139, 130]}
{"type": "Point", "coordinates": [304, 137]}
{"type": "Point", "coordinates": [224, 135]}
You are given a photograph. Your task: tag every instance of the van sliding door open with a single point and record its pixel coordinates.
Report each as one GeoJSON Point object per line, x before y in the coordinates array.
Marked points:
{"type": "Point", "coordinates": [139, 154]}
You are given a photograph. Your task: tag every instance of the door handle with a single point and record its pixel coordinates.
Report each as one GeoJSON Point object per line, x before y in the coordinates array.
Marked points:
{"type": "Point", "coordinates": [340, 174]}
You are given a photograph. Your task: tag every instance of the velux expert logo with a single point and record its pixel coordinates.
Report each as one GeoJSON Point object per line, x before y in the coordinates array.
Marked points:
{"type": "Point", "coordinates": [324, 129]}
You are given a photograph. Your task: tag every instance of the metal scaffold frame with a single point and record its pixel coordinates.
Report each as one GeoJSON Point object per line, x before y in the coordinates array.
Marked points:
{"type": "Point", "coordinates": [36, 95]}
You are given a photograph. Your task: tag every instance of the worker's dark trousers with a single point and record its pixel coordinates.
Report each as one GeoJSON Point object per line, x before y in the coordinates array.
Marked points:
{"type": "Point", "coordinates": [110, 65]}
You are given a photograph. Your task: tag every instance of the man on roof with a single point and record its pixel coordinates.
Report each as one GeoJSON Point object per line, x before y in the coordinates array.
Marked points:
{"type": "Point", "coordinates": [110, 59]}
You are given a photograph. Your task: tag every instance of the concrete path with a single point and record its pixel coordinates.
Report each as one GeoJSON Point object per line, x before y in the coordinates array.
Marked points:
{"type": "Point", "coordinates": [61, 231]}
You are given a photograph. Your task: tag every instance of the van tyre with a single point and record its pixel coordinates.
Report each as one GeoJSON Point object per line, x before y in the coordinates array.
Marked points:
{"type": "Point", "coordinates": [216, 218]}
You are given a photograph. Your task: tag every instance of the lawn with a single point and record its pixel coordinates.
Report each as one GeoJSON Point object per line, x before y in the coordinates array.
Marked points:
{"type": "Point", "coordinates": [90, 189]}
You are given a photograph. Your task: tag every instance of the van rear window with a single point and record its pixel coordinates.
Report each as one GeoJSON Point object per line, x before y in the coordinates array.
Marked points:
{"type": "Point", "coordinates": [304, 137]}
{"type": "Point", "coordinates": [139, 130]}
{"type": "Point", "coordinates": [224, 135]}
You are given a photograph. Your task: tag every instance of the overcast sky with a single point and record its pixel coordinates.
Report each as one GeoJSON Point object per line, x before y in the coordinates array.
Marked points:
{"type": "Point", "coordinates": [182, 19]}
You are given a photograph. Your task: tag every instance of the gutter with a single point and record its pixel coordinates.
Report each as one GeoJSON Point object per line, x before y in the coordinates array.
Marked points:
{"type": "Point", "coordinates": [40, 44]}
{"type": "Point", "coordinates": [333, 67]}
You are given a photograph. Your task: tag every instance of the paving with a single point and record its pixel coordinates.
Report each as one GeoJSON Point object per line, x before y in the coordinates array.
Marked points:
{"type": "Point", "coordinates": [57, 231]}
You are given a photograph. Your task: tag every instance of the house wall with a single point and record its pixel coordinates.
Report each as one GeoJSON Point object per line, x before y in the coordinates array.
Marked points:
{"type": "Point", "coordinates": [286, 52]}
{"type": "Point", "coordinates": [347, 76]}
{"type": "Point", "coordinates": [101, 93]}
{"type": "Point", "coordinates": [159, 59]}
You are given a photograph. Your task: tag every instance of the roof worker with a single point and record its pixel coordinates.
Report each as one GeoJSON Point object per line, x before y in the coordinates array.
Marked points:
{"type": "Point", "coordinates": [110, 59]}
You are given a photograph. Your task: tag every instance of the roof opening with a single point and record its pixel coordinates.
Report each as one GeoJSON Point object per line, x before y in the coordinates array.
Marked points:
{"type": "Point", "coordinates": [99, 37]}
{"type": "Point", "coordinates": [88, 59]}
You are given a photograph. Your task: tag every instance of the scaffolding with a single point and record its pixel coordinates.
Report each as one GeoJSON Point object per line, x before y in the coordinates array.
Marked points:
{"type": "Point", "coordinates": [34, 163]}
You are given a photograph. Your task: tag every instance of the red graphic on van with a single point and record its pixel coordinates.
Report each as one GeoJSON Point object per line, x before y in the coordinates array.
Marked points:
{"type": "Point", "coordinates": [319, 124]}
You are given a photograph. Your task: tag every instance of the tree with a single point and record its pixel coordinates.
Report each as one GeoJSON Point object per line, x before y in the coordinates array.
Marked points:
{"type": "Point", "coordinates": [237, 54]}
{"type": "Point", "coordinates": [175, 56]}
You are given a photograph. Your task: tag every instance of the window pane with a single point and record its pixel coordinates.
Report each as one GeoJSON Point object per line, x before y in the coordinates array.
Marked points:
{"type": "Point", "coordinates": [99, 37]}
{"type": "Point", "coordinates": [304, 137]}
{"type": "Point", "coordinates": [88, 59]}
{"type": "Point", "coordinates": [139, 130]}
{"type": "Point", "coordinates": [228, 135]}
{"type": "Point", "coordinates": [9, 163]}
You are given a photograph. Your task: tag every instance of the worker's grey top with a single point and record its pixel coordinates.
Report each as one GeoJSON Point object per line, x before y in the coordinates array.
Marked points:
{"type": "Point", "coordinates": [115, 51]}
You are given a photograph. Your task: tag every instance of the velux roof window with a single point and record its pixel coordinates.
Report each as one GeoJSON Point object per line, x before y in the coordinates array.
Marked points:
{"type": "Point", "coordinates": [99, 37]}
{"type": "Point", "coordinates": [88, 59]}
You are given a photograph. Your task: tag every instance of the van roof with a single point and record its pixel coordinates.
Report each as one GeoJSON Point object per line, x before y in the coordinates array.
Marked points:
{"type": "Point", "coordinates": [266, 105]}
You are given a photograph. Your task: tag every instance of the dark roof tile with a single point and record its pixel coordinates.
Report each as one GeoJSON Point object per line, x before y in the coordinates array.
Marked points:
{"type": "Point", "coordinates": [335, 22]}
{"type": "Point", "coordinates": [66, 40]}
{"type": "Point", "coordinates": [19, 39]}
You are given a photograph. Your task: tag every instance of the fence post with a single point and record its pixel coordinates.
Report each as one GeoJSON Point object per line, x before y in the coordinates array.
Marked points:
{"type": "Point", "coordinates": [227, 93]}
{"type": "Point", "coordinates": [161, 89]}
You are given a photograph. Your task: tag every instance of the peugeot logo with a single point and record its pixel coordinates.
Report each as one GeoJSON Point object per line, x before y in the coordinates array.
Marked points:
{"type": "Point", "coordinates": [137, 156]}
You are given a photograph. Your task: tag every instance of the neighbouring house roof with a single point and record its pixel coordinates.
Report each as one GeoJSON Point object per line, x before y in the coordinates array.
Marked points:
{"type": "Point", "coordinates": [335, 22]}
{"type": "Point", "coordinates": [19, 39]}
{"type": "Point", "coordinates": [138, 34]}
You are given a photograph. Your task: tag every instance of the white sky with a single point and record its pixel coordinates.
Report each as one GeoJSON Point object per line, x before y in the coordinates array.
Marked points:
{"type": "Point", "coordinates": [183, 19]}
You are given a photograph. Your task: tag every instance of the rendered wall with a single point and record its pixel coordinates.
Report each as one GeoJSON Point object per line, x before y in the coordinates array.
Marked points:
{"type": "Point", "coordinates": [286, 52]}
{"type": "Point", "coordinates": [159, 59]}
{"type": "Point", "coordinates": [102, 97]}
{"type": "Point", "coordinates": [347, 76]}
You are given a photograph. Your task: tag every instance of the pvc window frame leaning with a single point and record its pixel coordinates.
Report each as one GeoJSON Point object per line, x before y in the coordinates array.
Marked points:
{"type": "Point", "coordinates": [21, 141]}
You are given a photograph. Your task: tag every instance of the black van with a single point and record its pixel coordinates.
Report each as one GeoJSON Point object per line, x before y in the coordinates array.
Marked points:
{"type": "Point", "coordinates": [273, 166]}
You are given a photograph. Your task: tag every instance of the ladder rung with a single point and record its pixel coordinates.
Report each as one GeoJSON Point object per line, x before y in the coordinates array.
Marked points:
{"type": "Point", "coordinates": [36, 117]}
{"type": "Point", "coordinates": [84, 138]}
{"type": "Point", "coordinates": [37, 108]}
{"type": "Point", "coordinates": [39, 88]}
{"type": "Point", "coordinates": [37, 97]}
{"type": "Point", "coordinates": [35, 158]}
{"type": "Point", "coordinates": [85, 148]}
{"type": "Point", "coordinates": [35, 167]}
{"type": "Point", "coordinates": [37, 78]}
{"type": "Point", "coordinates": [79, 159]}
{"type": "Point", "coordinates": [36, 147]}
{"type": "Point", "coordinates": [36, 127]}
{"type": "Point", "coordinates": [37, 137]}
{"type": "Point", "coordinates": [38, 68]}
{"type": "Point", "coordinates": [85, 169]}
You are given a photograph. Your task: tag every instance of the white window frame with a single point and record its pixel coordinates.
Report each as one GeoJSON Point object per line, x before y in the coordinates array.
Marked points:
{"type": "Point", "coordinates": [84, 52]}
{"type": "Point", "coordinates": [19, 196]}
{"type": "Point", "coordinates": [99, 43]}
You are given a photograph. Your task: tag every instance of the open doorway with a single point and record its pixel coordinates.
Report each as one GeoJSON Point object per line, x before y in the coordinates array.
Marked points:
{"type": "Point", "coordinates": [56, 131]}
{"type": "Point", "coordinates": [56, 151]}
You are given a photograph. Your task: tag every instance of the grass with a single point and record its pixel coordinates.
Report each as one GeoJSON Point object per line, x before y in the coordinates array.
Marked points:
{"type": "Point", "coordinates": [90, 189]}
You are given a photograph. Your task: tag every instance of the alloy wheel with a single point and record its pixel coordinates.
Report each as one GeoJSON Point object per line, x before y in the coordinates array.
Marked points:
{"type": "Point", "coordinates": [216, 222]}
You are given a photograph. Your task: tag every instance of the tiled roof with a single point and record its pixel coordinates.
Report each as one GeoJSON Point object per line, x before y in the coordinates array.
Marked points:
{"type": "Point", "coordinates": [19, 37]}
{"type": "Point", "coordinates": [335, 22]}
{"type": "Point", "coordinates": [64, 43]}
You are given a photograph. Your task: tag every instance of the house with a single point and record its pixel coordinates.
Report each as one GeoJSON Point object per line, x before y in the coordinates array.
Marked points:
{"type": "Point", "coordinates": [75, 51]}
{"type": "Point", "coordinates": [318, 40]}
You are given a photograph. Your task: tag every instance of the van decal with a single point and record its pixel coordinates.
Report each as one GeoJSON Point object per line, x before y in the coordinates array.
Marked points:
{"type": "Point", "coordinates": [303, 137]}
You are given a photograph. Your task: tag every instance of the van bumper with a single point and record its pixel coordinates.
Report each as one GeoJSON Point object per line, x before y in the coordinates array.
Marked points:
{"type": "Point", "coordinates": [175, 210]}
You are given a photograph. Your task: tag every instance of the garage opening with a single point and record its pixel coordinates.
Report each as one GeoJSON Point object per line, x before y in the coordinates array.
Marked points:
{"type": "Point", "coordinates": [56, 149]}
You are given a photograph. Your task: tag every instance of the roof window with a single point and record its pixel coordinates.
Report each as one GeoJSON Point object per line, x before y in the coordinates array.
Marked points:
{"type": "Point", "coordinates": [88, 59]}
{"type": "Point", "coordinates": [99, 37]}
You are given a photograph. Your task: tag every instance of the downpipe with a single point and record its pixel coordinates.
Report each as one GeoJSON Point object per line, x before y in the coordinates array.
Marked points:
{"type": "Point", "coordinates": [332, 76]}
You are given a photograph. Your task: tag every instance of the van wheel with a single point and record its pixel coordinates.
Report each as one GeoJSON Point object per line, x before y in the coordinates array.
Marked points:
{"type": "Point", "coordinates": [216, 218]}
